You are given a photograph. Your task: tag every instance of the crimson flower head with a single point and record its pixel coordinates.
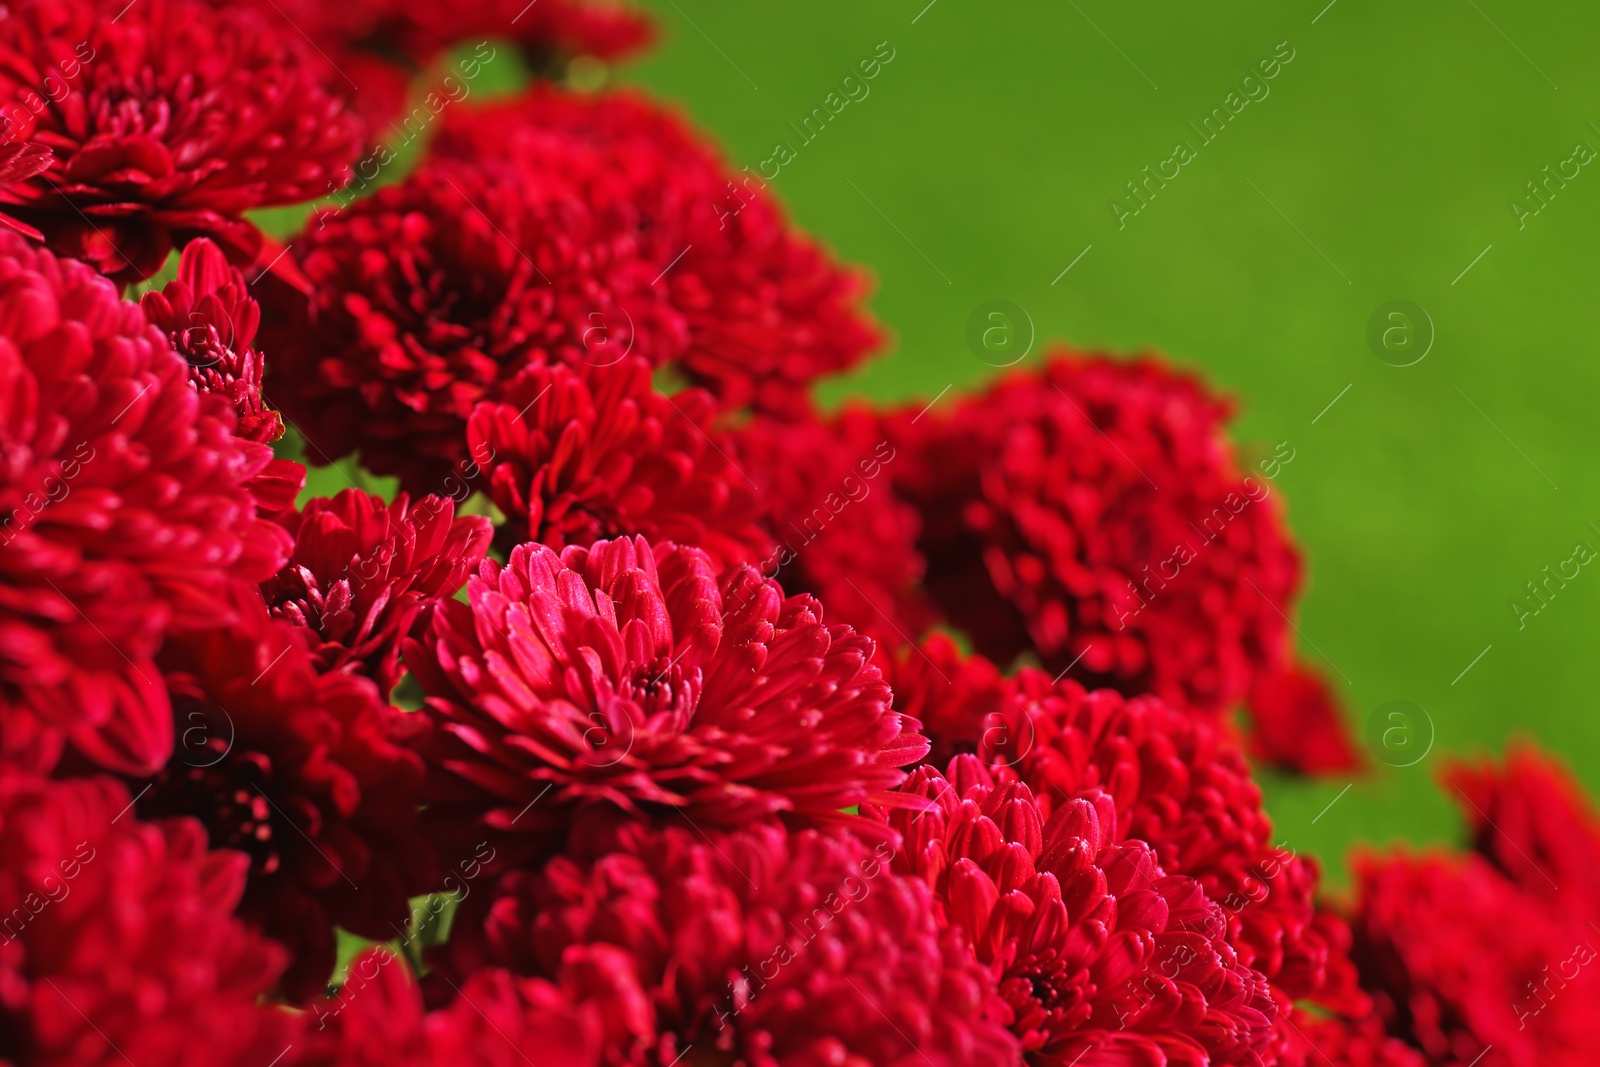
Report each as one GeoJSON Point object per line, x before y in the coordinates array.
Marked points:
{"type": "Point", "coordinates": [1093, 945]}
{"type": "Point", "coordinates": [1176, 783]}
{"type": "Point", "coordinates": [377, 1019]}
{"type": "Point", "coordinates": [432, 295]}
{"type": "Point", "coordinates": [1535, 824]}
{"type": "Point", "coordinates": [361, 569]}
{"type": "Point", "coordinates": [575, 455]}
{"type": "Point", "coordinates": [1467, 965]}
{"type": "Point", "coordinates": [304, 773]}
{"type": "Point", "coordinates": [117, 940]}
{"type": "Point", "coordinates": [759, 946]}
{"type": "Point", "coordinates": [767, 311]}
{"type": "Point", "coordinates": [628, 674]}
{"type": "Point", "coordinates": [370, 53]}
{"type": "Point", "coordinates": [1095, 513]}
{"type": "Point", "coordinates": [550, 33]}
{"type": "Point", "coordinates": [126, 513]}
{"type": "Point", "coordinates": [955, 696]}
{"type": "Point", "coordinates": [1326, 1041]}
{"type": "Point", "coordinates": [210, 318]}
{"type": "Point", "coordinates": [168, 119]}
{"type": "Point", "coordinates": [1298, 723]}
{"type": "Point", "coordinates": [841, 533]}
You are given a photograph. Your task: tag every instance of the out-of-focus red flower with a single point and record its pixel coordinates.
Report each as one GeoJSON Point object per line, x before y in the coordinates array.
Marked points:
{"type": "Point", "coordinates": [1095, 513]}
{"type": "Point", "coordinates": [19, 161]}
{"type": "Point", "coordinates": [304, 773]}
{"type": "Point", "coordinates": [376, 1019]}
{"type": "Point", "coordinates": [119, 945]}
{"type": "Point", "coordinates": [768, 311]}
{"type": "Point", "coordinates": [956, 697]}
{"type": "Point", "coordinates": [841, 533]}
{"type": "Point", "coordinates": [430, 296]}
{"type": "Point", "coordinates": [125, 513]}
{"type": "Point", "coordinates": [1535, 823]}
{"type": "Point", "coordinates": [550, 32]}
{"type": "Point", "coordinates": [1298, 723]}
{"type": "Point", "coordinates": [361, 570]}
{"type": "Point", "coordinates": [1095, 947]}
{"type": "Point", "coordinates": [578, 455]}
{"type": "Point", "coordinates": [1470, 967]}
{"type": "Point", "coordinates": [210, 318]}
{"type": "Point", "coordinates": [1333, 1042]}
{"type": "Point", "coordinates": [371, 53]}
{"type": "Point", "coordinates": [168, 120]}
{"type": "Point", "coordinates": [625, 674]}
{"type": "Point", "coordinates": [752, 946]}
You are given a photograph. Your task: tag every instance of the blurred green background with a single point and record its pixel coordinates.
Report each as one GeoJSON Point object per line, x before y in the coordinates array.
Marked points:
{"type": "Point", "coordinates": [1381, 163]}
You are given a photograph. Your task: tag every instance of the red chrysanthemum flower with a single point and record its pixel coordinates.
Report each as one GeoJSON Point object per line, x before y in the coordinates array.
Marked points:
{"type": "Point", "coordinates": [577, 455]}
{"type": "Point", "coordinates": [303, 772]}
{"type": "Point", "coordinates": [1471, 968]}
{"type": "Point", "coordinates": [1094, 513]}
{"type": "Point", "coordinates": [842, 534]}
{"type": "Point", "coordinates": [361, 570]}
{"type": "Point", "coordinates": [1177, 783]}
{"type": "Point", "coordinates": [1298, 723]}
{"type": "Point", "coordinates": [1535, 823]}
{"type": "Point", "coordinates": [752, 946]}
{"type": "Point", "coordinates": [1332, 1042]}
{"type": "Point", "coordinates": [125, 512]}
{"type": "Point", "coordinates": [210, 318]}
{"type": "Point", "coordinates": [168, 119]}
{"type": "Point", "coordinates": [1094, 946]}
{"type": "Point", "coordinates": [625, 674]}
{"type": "Point", "coordinates": [19, 161]}
{"type": "Point", "coordinates": [370, 53]}
{"type": "Point", "coordinates": [117, 940]}
{"type": "Point", "coordinates": [550, 32]}
{"type": "Point", "coordinates": [956, 697]}
{"type": "Point", "coordinates": [768, 312]}
{"type": "Point", "coordinates": [376, 1019]}
{"type": "Point", "coordinates": [430, 296]}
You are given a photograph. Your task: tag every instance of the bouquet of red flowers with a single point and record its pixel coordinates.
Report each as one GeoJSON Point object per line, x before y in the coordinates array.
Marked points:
{"type": "Point", "coordinates": [653, 715]}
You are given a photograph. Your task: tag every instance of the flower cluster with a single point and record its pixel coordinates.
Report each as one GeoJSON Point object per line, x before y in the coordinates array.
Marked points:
{"type": "Point", "coordinates": [1432, 928]}
{"type": "Point", "coordinates": [167, 121]}
{"type": "Point", "coordinates": [1094, 515]}
{"type": "Point", "coordinates": [630, 729]}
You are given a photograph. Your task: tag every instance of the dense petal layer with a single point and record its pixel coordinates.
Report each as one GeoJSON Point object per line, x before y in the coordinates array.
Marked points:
{"type": "Point", "coordinates": [361, 570]}
{"type": "Point", "coordinates": [119, 941]}
{"type": "Point", "coordinates": [432, 295]}
{"type": "Point", "coordinates": [168, 119]}
{"type": "Point", "coordinates": [573, 455]}
{"type": "Point", "coordinates": [630, 675]}
{"type": "Point", "coordinates": [1095, 513]}
{"type": "Point", "coordinates": [127, 512]}
{"type": "Point", "coordinates": [754, 946]}
{"type": "Point", "coordinates": [304, 773]}
{"type": "Point", "coordinates": [766, 310]}
{"type": "Point", "coordinates": [1096, 949]}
